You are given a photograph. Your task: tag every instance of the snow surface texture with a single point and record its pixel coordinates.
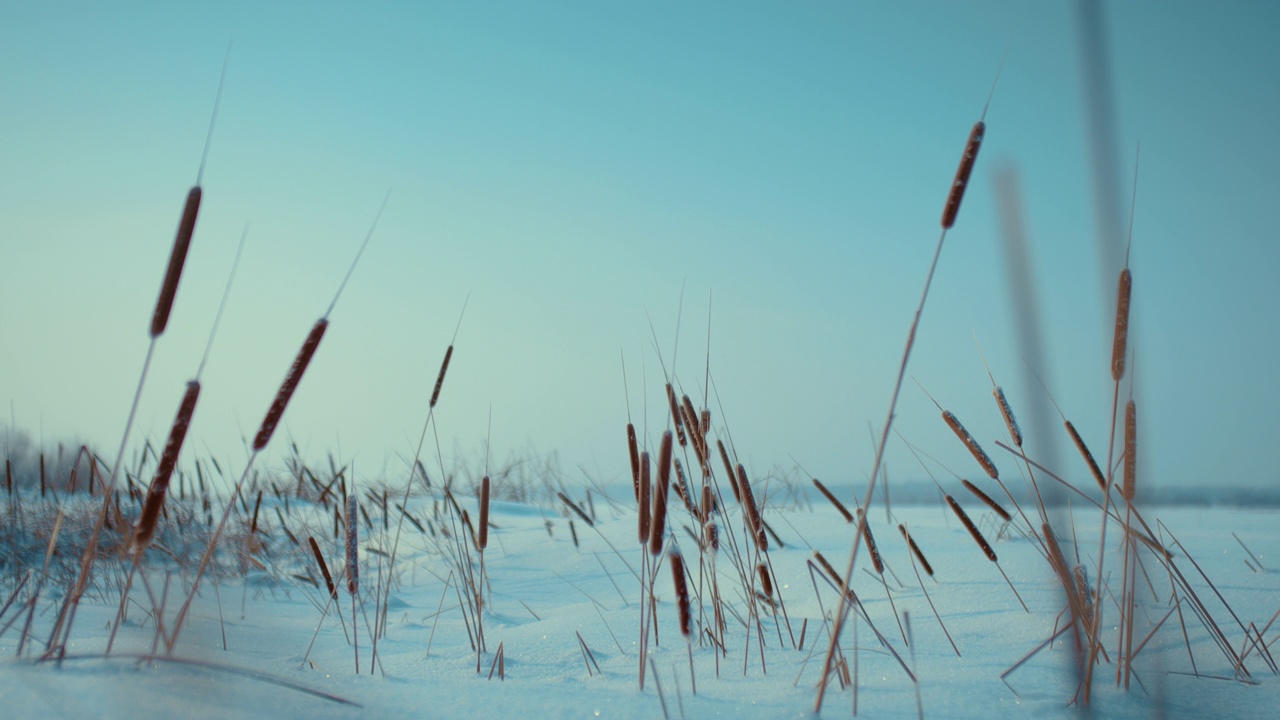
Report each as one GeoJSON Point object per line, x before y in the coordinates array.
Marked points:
{"type": "Point", "coordinates": [545, 590]}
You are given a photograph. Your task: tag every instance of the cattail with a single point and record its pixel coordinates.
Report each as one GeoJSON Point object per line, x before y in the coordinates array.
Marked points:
{"type": "Point", "coordinates": [766, 583]}
{"type": "Point", "coordinates": [177, 258]}
{"type": "Point", "coordinates": [1058, 561]}
{"type": "Point", "coordinates": [728, 468]}
{"type": "Point", "coordinates": [1007, 413]}
{"type": "Point", "coordinates": [832, 498]}
{"type": "Point", "coordinates": [682, 591]}
{"type": "Point", "coordinates": [690, 416]}
{"type": "Point", "coordinates": [658, 525]}
{"type": "Point", "coordinates": [711, 537]}
{"type": "Point", "coordinates": [1130, 451]}
{"type": "Point", "coordinates": [974, 448]}
{"type": "Point", "coordinates": [643, 506]}
{"type": "Point", "coordinates": [484, 514]}
{"type": "Point", "coordinates": [444, 367]}
{"type": "Point", "coordinates": [753, 511]}
{"type": "Point", "coordinates": [682, 488]}
{"type": "Point", "coordinates": [876, 560]}
{"type": "Point", "coordinates": [353, 558]}
{"type": "Point", "coordinates": [826, 566]}
{"type": "Point", "coordinates": [973, 529]}
{"type": "Point", "coordinates": [150, 516]}
{"type": "Point", "coordinates": [705, 423]}
{"type": "Point", "coordinates": [634, 450]}
{"type": "Point", "coordinates": [290, 384]}
{"type": "Point", "coordinates": [708, 503]}
{"type": "Point", "coordinates": [1121, 339]}
{"type": "Point", "coordinates": [915, 549]}
{"type": "Point", "coordinates": [577, 510]}
{"type": "Point", "coordinates": [995, 506]}
{"type": "Point", "coordinates": [675, 414]}
{"type": "Point", "coordinates": [962, 175]}
{"type": "Point", "coordinates": [324, 568]}
{"type": "Point", "coordinates": [1088, 456]}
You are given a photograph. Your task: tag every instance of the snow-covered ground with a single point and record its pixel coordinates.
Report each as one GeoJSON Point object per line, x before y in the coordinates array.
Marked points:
{"type": "Point", "coordinates": [546, 591]}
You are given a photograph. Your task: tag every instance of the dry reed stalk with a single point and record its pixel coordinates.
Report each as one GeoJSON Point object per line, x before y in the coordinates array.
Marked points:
{"type": "Point", "coordinates": [1121, 338]}
{"type": "Point", "coordinates": [645, 496]}
{"type": "Point", "coordinates": [444, 367]}
{"type": "Point", "coordinates": [483, 537]}
{"type": "Point", "coordinates": [1007, 413]}
{"type": "Point", "coordinates": [290, 384]}
{"type": "Point", "coordinates": [634, 451]}
{"type": "Point", "coordinates": [1088, 456]}
{"type": "Point", "coordinates": [675, 414]}
{"type": "Point", "coordinates": [995, 506]}
{"type": "Point", "coordinates": [177, 258]}
{"type": "Point", "coordinates": [973, 529]}
{"type": "Point", "coordinates": [324, 568]}
{"type": "Point", "coordinates": [961, 181]}
{"type": "Point", "coordinates": [753, 511]}
{"type": "Point", "coordinates": [915, 549]}
{"type": "Point", "coordinates": [833, 500]}
{"type": "Point", "coordinates": [147, 521]}
{"type": "Point", "coordinates": [974, 448]}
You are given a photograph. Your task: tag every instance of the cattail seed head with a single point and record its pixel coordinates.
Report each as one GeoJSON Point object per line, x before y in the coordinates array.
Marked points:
{"type": "Point", "coordinates": [708, 503]}
{"type": "Point", "coordinates": [915, 549]}
{"type": "Point", "coordinates": [682, 591]}
{"type": "Point", "coordinates": [290, 384]}
{"type": "Point", "coordinates": [1130, 451]}
{"type": "Point", "coordinates": [753, 511]}
{"type": "Point", "coordinates": [658, 524]}
{"type": "Point", "coordinates": [444, 367]}
{"type": "Point", "coordinates": [150, 517]}
{"type": "Point", "coordinates": [961, 181]}
{"type": "Point", "coordinates": [177, 258]}
{"type": "Point", "coordinates": [634, 451]}
{"type": "Point", "coordinates": [872, 548]}
{"type": "Point", "coordinates": [642, 507]}
{"type": "Point", "coordinates": [833, 500]}
{"type": "Point", "coordinates": [1088, 456]}
{"type": "Point", "coordinates": [711, 539]}
{"type": "Point", "coordinates": [766, 582]}
{"type": "Point", "coordinates": [324, 568]}
{"type": "Point", "coordinates": [483, 533]}
{"type": "Point", "coordinates": [728, 469]}
{"type": "Point", "coordinates": [1120, 341]}
{"type": "Point", "coordinates": [675, 414]}
{"type": "Point", "coordinates": [974, 448]}
{"type": "Point", "coordinates": [1007, 413]}
{"type": "Point", "coordinates": [995, 506]}
{"type": "Point", "coordinates": [973, 529]}
{"type": "Point", "coordinates": [353, 556]}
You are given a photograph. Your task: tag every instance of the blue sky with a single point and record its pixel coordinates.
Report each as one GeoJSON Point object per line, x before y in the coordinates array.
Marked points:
{"type": "Point", "coordinates": [575, 166]}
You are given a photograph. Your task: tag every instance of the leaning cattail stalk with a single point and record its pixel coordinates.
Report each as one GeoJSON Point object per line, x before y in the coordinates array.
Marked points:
{"type": "Point", "coordinates": [728, 469]}
{"type": "Point", "coordinates": [961, 181]}
{"type": "Point", "coordinates": [634, 451]}
{"type": "Point", "coordinates": [1007, 413]}
{"type": "Point", "coordinates": [444, 367]}
{"type": "Point", "coordinates": [876, 560]}
{"type": "Point", "coordinates": [353, 558]}
{"type": "Point", "coordinates": [324, 568]}
{"type": "Point", "coordinates": [290, 384]}
{"type": "Point", "coordinates": [1088, 456]}
{"type": "Point", "coordinates": [177, 258]}
{"type": "Point", "coordinates": [834, 501]}
{"type": "Point", "coordinates": [147, 521]}
{"type": "Point", "coordinates": [1121, 339]}
{"type": "Point", "coordinates": [995, 506]}
{"type": "Point", "coordinates": [974, 448]}
{"type": "Point", "coordinates": [1130, 451]}
{"type": "Point", "coordinates": [753, 511]}
{"type": "Point", "coordinates": [973, 529]}
{"type": "Point", "coordinates": [483, 532]}
{"type": "Point", "coordinates": [645, 497]}
{"type": "Point", "coordinates": [915, 549]}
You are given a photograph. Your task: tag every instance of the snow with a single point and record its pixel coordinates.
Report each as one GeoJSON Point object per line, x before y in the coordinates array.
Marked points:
{"type": "Point", "coordinates": [544, 591]}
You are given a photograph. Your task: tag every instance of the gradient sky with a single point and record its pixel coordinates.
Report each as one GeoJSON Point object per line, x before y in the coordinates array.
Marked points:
{"type": "Point", "coordinates": [574, 166]}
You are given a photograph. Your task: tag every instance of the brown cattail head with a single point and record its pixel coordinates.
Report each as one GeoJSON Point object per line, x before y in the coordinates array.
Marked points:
{"type": "Point", "coordinates": [664, 463]}
{"type": "Point", "coordinates": [1007, 413]}
{"type": "Point", "coordinates": [1058, 561]}
{"type": "Point", "coordinates": [682, 591]}
{"type": "Point", "coordinates": [826, 566]}
{"type": "Point", "coordinates": [974, 448]}
{"type": "Point", "coordinates": [995, 506]}
{"type": "Point", "coordinates": [483, 533]}
{"type": "Point", "coordinates": [634, 450]}
{"type": "Point", "coordinates": [1088, 456]}
{"type": "Point", "coordinates": [682, 488]}
{"type": "Point", "coordinates": [675, 414]}
{"type": "Point", "coordinates": [324, 568]}
{"type": "Point", "coordinates": [290, 384]}
{"type": "Point", "coordinates": [753, 510]}
{"type": "Point", "coordinates": [766, 582]}
{"type": "Point", "coordinates": [642, 506]}
{"type": "Point", "coordinates": [177, 258]}
{"type": "Point", "coordinates": [1120, 341]}
{"type": "Point", "coordinates": [705, 422]}
{"type": "Point", "coordinates": [915, 550]}
{"type": "Point", "coordinates": [832, 498]}
{"type": "Point", "coordinates": [353, 539]}
{"type": "Point", "coordinates": [658, 524]}
{"type": "Point", "coordinates": [146, 526]}
{"type": "Point", "coordinates": [872, 548]}
{"type": "Point", "coordinates": [1130, 451]}
{"type": "Point", "coordinates": [444, 367]}
{"type": "Point", "coordinates": [708, 503]}
{"type": "Point", "coordinates": [973, 529]}
{"type": "Point", "coordinates": [728, 469]}
{"type": "Point", "coordinates": [711, 539]}
{"type": "Point", "coordinates": [962, 175]}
